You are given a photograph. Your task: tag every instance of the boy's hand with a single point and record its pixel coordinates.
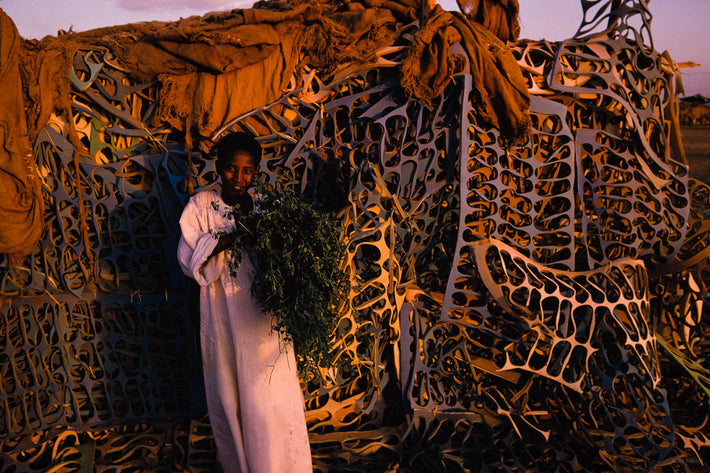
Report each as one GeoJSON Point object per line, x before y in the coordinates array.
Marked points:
{"type": "Point", "coordinates": [224, 242]}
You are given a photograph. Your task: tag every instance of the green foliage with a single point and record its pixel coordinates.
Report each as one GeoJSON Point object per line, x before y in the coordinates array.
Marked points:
{"type": "Point", "coordinates": [299, 281]}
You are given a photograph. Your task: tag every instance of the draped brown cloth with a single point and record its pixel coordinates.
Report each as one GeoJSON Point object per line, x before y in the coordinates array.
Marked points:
{"type": "Point", "coordinates": [21, 205]}
{"type": "Point", "coordinates": [500, 17]}
{"type": "Point", "coordinates": [500, 91]}
{"type": "Point", "coordinates": [215, 68]}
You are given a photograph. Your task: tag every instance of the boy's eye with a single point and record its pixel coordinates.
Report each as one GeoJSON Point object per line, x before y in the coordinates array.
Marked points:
{"type": "Point", "coordinates": [233, 170]}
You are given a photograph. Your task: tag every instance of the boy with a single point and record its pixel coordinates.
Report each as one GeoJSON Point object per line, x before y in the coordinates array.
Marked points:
{"type": "Point", "coordinates": [253, 394]}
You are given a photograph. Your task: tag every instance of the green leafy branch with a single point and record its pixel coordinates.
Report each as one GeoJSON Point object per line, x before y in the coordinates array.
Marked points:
{"type": "Point", "coordinates": [299, 280]}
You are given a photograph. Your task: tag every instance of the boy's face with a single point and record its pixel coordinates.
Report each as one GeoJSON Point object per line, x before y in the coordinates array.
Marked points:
{"type": "Point", "coordinates": [236, 174]}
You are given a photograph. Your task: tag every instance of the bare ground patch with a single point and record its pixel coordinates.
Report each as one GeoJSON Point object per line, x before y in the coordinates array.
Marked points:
{"type": "Point", "coordinates": [696, 141]}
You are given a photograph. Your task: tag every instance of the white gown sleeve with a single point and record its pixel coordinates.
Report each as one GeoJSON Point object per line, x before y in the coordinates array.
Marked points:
{"type": "Point", "coordinates": [196, 245]}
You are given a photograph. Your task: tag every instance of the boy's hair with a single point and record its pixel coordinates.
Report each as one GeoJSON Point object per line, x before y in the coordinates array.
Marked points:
{"type": "Point", "coordinates": [236, 141]}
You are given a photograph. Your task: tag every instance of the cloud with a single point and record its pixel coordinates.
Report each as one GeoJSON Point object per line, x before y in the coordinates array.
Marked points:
{"type": "Point", "coordinates": [193, 6]}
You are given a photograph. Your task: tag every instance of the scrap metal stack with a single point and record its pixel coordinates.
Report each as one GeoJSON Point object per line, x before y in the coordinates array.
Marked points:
{"type": "Point", "coordinates": [519, 302]}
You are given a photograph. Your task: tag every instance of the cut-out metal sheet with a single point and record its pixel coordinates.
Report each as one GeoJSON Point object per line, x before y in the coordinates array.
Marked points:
{"type": "Point", "coordinates": [97, 331]}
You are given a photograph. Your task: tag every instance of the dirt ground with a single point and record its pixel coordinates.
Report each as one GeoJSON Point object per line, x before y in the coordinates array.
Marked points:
{"type": "Point", "coordinates": [696, 141]}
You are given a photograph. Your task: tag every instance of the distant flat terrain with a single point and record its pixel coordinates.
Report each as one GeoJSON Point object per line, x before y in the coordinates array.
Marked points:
{"type": "Point", "coordinates": [696, 141]}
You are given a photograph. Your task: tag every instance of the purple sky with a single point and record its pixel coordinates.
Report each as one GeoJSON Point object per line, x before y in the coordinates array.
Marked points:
{"type": "Point", "coordinates": [679, 26]}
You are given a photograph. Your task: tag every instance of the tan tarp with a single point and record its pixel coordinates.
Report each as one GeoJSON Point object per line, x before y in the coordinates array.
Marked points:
{"type": "Point", "coordinates": [217, 67]}
{"type": "Point", "coordinates": [500, 17]}
{"type": "Point", "coordinates": [20, 196]}
{"type": "Point", "coordinates": [499, 87]}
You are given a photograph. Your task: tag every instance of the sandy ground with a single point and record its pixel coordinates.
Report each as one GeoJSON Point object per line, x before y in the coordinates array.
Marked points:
{"type": "Point", "coordinates": [696, 141]}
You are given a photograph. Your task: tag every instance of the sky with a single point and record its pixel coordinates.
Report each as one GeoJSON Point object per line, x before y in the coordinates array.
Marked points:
{"type": "Point", "coordinates": [678, 26]}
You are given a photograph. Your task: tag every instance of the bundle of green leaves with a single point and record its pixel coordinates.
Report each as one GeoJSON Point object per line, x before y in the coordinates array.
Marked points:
{"type": "Point", "coordinates": [299, 280]}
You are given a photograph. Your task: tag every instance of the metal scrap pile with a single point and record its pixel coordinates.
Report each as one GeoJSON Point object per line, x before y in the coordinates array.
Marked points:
{"type": "Point", "coordinates": [528, 256]}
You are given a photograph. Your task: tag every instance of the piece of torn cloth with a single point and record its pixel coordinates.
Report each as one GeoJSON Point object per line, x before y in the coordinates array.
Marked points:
{"type": "Point", "coordinates": [500, 91]}
{"type": "Point", "coordinates": [21, 206]}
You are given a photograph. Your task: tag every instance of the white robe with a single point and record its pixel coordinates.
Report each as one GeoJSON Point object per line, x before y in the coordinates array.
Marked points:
{"type": "Point", "coordinates": [254, 399]}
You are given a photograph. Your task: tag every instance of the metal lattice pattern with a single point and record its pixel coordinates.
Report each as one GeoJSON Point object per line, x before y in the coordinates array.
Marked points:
{"type": "Point", "coordinates": [632, 195]}
{"type": "Point", "coordinates": [97, 331]}
{"type": "Point", "coordinates": [160, 448]}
